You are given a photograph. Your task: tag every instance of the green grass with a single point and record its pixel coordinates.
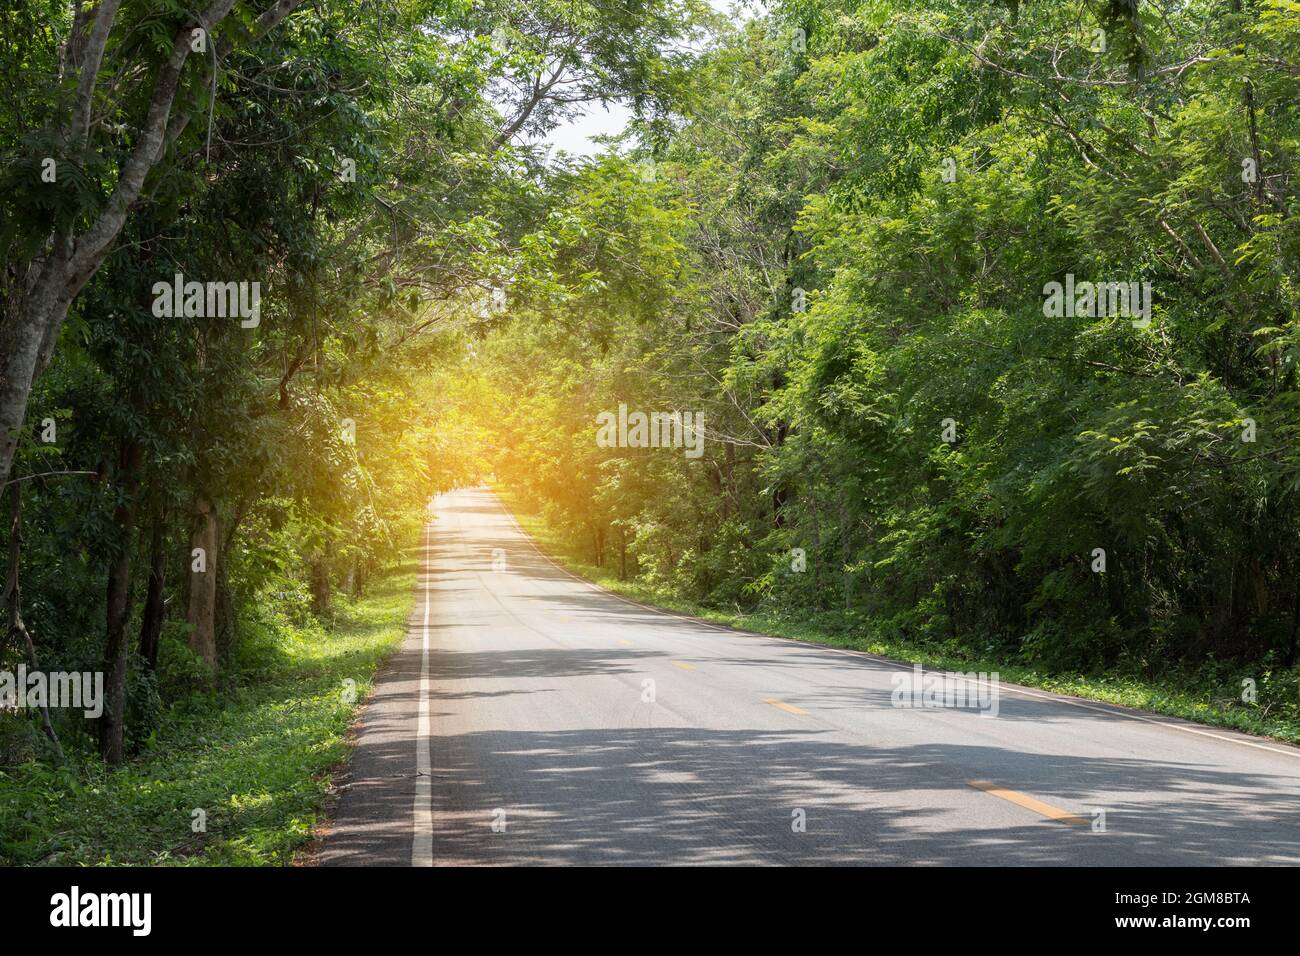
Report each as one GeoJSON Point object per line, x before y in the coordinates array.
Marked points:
{"type": "Point", "coordinates": [256, 759]}
{"type": "Point", "coordinates": [1207, 694]}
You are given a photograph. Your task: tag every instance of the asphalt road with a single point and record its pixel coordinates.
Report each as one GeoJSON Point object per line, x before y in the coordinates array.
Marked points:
{"type": "Point", "coordinates": [532, 718]}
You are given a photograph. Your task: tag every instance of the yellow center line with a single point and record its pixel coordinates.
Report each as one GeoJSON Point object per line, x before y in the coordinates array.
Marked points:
{"type": "Point", "coordinates": [684, 666]}
{"type": "Point", "coordinates": [626, 643]}
{"type": "Point", "coordinates": [782, 705]}
{"type": "Point", "coordinates": [1029, 803]}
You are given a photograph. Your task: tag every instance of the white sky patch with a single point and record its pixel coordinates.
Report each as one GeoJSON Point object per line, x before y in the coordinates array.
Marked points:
{"type": "Point", "coordinates": [577, 137]}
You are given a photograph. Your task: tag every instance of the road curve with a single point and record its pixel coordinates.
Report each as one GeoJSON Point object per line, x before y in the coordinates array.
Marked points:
{"type": "Point", "coordinates": [533, 718]}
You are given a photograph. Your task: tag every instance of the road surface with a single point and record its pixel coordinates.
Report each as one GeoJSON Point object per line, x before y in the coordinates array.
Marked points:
{"type": "Point", "coordinates": [533, 718]}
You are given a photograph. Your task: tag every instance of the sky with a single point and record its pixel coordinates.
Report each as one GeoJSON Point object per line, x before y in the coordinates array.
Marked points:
{"type": "Point", "coordinates": [575, 137]}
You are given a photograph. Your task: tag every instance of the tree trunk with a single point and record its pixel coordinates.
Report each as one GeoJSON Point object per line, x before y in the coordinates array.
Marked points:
{"type": "Point", "coordinates": [201, 614]}
{"type": "Point", "coordinates": [41, 290]}
{"type": "Point", "coordinates": [112, 724]}
{"type": "Point", "coordinates": [226, 621]}
{"type": "Point", "coordinates": [152, 619]}
{"type": "Point", "coordinates": [22, 330]}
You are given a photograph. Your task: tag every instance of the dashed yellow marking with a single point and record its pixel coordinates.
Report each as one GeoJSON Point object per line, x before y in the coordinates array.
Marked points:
{"type": "Point", "coordinates": [684, 666]}
{"type": "Point", "coordinates": [782, 705]}
{"type": "Point", "coordinates": [626, 643]}
{"type": "Point", "coordinates": [1029, 803]}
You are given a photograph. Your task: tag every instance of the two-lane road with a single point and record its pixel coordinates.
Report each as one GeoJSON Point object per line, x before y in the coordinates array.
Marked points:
{"type": "Point", "coordinates": [532, 718]}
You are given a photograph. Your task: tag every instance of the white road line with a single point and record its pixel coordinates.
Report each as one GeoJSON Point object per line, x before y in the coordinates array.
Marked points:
{"type": "Point", "coordinates": [422, 832]}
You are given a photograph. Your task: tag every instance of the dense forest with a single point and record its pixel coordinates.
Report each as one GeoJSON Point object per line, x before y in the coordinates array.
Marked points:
{"type": "Point", "coordinates": [985, 314]}
{"type": "Point", "coordinates": [850, 258]}
{"type": "Point", "coordinates": [355, 162]}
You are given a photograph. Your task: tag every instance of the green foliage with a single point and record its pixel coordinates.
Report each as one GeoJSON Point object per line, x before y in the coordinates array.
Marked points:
{"type": "Point", "coordinates": [830, 231]}
{"type": "Point", "coordinates": [257, 758]}
{"type": "Point", "coordinates": [921, 173]}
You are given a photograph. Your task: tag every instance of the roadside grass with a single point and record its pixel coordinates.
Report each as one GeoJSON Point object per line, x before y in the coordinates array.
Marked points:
{"type": "Point", "coordinates": [1208, 695]}
{"type": "Point", "coordinates": [256, 759]}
